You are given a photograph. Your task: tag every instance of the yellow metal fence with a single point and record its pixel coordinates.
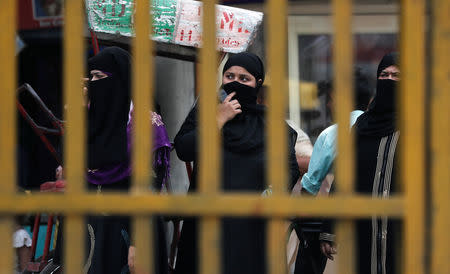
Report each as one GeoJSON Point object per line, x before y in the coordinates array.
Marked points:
{"type": "Point", "coordinates": [209, 203]}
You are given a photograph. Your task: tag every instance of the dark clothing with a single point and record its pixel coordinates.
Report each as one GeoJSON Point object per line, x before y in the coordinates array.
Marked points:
{"type": "Point", "coordinates": [108, 109]}
{"type": "Point", "coordinates": [380, 119]}
{"type": "Point", "coordinates": [310, 259]}
{"type": "Point", "coordinates": [376, 142]}
{"type": "Point", "coordinates": [376, 174]}
{"type": "Point", "coordinates": [110, 249]}
{"type": "Point", "coordinates": [110, 254]}
{"type": "Point", "coordinates": [244, 157]}
{"type": "Point", "coordinates": [111, 246]}
{"type": "Point", "coordinates": [366, 162]}
{"type": "Point", "coordinates": [243, 169]}
{"type": "Point", "coordinates": [108, 146]}
{"type": "Point", "coordinates": [109, 104]}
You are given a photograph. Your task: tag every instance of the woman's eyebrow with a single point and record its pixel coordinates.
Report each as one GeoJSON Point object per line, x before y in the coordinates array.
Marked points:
{"type": "Point", "coordinates": [107, 73]}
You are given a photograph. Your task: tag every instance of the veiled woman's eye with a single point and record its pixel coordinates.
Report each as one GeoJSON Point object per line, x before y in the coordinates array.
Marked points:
{"type": "Point", "coordinates": [97, 75]}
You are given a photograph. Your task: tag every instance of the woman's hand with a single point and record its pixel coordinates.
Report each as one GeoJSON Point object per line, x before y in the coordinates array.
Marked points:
{"type": "Point", "coordinates": [227, 110]}
{"type": "Point", "coordinates": [328, 249]}
{"type": "Point", "coordinates": [85, 92]}
{"type": "Point", "coordinates": [131, 259]}
{"type": "Point", "coordinates": [59, 173]}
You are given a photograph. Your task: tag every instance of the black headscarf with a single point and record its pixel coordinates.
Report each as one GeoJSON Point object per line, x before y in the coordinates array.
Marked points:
{"type": "Point", "coordinates": [251, 62]}
{"type": "Point", "coordinates": [380, 119]}
{"type": "Point", "coordinates": [108, 110]}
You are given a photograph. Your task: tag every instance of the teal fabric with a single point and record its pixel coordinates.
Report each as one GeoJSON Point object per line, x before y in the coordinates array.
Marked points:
{"type": "Point", "coordinates": [41, 238]}
{"type": "Point", "coordinates": [323, 155]}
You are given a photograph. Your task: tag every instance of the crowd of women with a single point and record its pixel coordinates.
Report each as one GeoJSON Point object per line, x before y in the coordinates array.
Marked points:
{"type": "Point", "coordinates": [241, 122]}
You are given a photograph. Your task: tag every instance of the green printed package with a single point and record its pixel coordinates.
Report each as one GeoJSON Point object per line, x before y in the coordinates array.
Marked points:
{"type": "Point", "coordinates": [116, 17]}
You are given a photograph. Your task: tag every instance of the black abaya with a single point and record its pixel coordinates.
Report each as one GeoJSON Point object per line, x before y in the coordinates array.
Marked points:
{"type": "Point", "coordinates": [376, 142]}
{"type": "Point", "coordinates": [244, 170]}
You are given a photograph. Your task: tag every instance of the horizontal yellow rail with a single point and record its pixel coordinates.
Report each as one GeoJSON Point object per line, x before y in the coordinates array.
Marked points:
{"type": "Point", "coordinates": [224, 204]}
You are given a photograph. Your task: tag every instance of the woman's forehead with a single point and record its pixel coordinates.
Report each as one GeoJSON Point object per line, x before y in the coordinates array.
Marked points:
{"type": "Point", "coordinates": [238, 70]}
{"type": "Point", "coordinates": [392, 68]}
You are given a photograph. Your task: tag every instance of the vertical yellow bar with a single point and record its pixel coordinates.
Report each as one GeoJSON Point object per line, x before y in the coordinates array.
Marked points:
{"type": "Point", "coordinates": [277, 135]}
{"type": "Point", "coordinates": [143, 237]}
{"type": "Point", "coordinates": [142, 98]}
{"type": "Point", "coordinates": [209, 177]}
{"type": "Point", "coordinates": [209, 135]}
{"type": "Point", "coordinates": [74, 239]}
{"type": "Point", "coordinates": [74, 141]}
{"type": "Point", "coordinates": [440, 135]}
{"type": "Point", "coordinates": [412, 118]}
{"type": "Point", "coordinates": [6, 250]}
{"type": "Point", "coordinates": [142, 95]}
{"type": "Point", "coordinates": [343, 79]}
{"type": "Point", "coordinates": [346, 233]}
{"type": "Point", "coordinates": [209, 237]}
{"type": "Point", "coordinates": [277, 96]}
{"type": "Point", "coordinates": [276, 246]}
{"type": "Point", "coordinates": [8, 96]}
{"type": "Point", "coordinates": [7, 124]}
{"type": "Point", "coordinates": [343, 85]}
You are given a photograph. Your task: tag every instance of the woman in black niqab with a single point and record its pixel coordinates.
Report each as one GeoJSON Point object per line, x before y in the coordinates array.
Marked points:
{"type": "Point", "coordinates": [376, 167]}
{"type": "Point", "coordinates": [380, 119]}
{"type": "Point", "coordinates": [245, 131]}
{"type": "Point", "coordinates": [108, 115]}
{"type": "Point", "coordinates": [109, 104]}
{"type": "Point", "coordinates": [243, 168]}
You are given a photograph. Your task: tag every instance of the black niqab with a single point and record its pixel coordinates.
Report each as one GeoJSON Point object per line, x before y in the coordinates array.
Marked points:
{"type": "Point", "coordinates": [246, 95]}
{"type": "Point", "coordinates": [251, 62]}
{"type": "Point", "coordinates": [380, 119]}
{"type": "Point", "coordinates": [387, 61]}
{"type": "Point", "coordinates": [108, 110]}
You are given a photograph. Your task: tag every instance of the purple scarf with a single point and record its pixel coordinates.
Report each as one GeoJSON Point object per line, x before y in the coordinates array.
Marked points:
{"type": "Point", "coordinates": [161, 153]}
